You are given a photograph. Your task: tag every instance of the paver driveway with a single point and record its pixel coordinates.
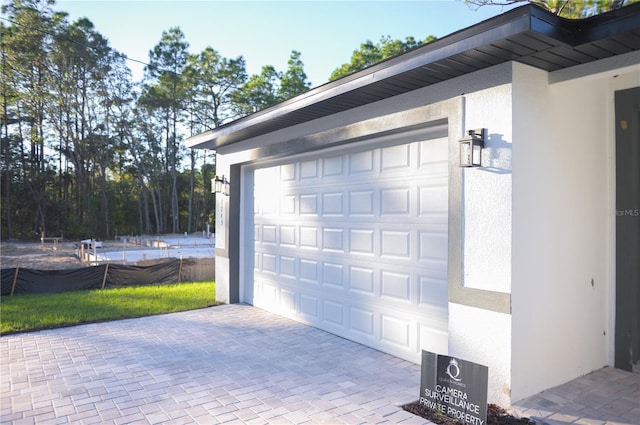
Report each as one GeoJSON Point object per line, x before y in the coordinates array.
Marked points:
{"type": "Point", "coordinates": [225, 364]}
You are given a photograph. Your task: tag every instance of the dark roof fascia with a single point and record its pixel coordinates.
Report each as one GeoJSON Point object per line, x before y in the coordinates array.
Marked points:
{"type": "Point", "coordinates": [528, 19]}
{"type": "Point", "coordinates": [517, 19]}
{"type": "Point", "coordinates": [605, 25]}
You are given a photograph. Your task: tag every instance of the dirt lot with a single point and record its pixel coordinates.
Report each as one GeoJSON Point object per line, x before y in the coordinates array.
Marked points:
{"type": "Point", "coordinates": [39, 256]}
{"type": "Point", "coordinates": [141, 251]}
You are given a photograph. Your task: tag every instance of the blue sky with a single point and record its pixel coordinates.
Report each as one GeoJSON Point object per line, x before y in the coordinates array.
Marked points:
{"type": "Point", "coordinates": [265, 32]}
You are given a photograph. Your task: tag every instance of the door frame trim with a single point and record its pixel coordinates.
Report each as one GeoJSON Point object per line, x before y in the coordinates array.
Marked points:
{"type": "Point", "coordinates": [626, 339]}
{"type": "Point", "coordinates": [449, 113]}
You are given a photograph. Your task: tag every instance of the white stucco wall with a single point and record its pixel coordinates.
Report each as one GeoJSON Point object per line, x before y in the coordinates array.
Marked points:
{"type": "Point", "coordinates": [222, 278]}
{"type": "Point", "coordinates": [475, 334]}
{"type": "Point", "coordinates": [484, 337]}
{"type": "Point", "coordinates": [563, 186]}
{"type": "Point", "coordinates": [487, 194]}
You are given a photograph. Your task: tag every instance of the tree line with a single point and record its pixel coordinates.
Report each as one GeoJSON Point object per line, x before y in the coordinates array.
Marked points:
{"type": "Point", "coordinates": [88, 152]}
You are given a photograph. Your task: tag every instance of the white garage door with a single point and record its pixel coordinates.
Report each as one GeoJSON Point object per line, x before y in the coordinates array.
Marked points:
{"type": "Point", "coordinates": [355, 242]}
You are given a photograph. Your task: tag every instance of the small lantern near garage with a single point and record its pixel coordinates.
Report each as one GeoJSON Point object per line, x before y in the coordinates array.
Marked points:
{"type": "Point", "coordinates": [220, 185]}
{"type": "Point", "coordinates": [471, 148]}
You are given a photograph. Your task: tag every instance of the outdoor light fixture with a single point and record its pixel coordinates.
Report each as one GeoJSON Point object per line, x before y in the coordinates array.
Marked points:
{"type": "Point", "coordinates": [221, 185]}
{"type": "Point", "coordinates": [471, 148]}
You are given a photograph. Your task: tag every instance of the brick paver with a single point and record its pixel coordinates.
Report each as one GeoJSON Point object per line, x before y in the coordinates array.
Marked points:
{"type": "Point", "coordinates": [225, 364]}
{"type": "Point", "coordinates": [237, 364]}
{"type": "Point", "coordinates": [606, 396]}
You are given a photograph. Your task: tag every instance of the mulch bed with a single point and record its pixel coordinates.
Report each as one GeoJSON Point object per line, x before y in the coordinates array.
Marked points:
{"type": "Point", "coordinates": [496, 415]}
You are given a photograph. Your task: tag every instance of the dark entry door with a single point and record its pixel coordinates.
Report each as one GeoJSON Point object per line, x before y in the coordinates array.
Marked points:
{"type": "Point", "coordinates": [627, 344]}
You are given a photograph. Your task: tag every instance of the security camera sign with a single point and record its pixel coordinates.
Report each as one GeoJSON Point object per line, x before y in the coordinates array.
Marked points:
{"type": "Point", "coordinates": [454, 387]}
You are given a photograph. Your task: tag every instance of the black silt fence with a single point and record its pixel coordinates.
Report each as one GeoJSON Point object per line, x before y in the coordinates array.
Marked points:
{"type": "Point", "coordinates": [30, 281]}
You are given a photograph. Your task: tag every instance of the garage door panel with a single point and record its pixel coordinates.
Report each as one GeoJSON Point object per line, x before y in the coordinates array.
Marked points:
{"type": "Point", "coordinates": [396, 286]}
{"type": "Point", "coordinates": [309, 204]}
{"type": "Point", "coordinates": [435, 151]}
{"type": "Point", "coordinates": [433, 200]}
{"type": "Point", "coordinates": [362, 280]}
{"type": "Point", "coordinates": [432, 339]}
{"type": "Point", "coordinates": [395, 158]}
{"type": "Point", "coordinates": [309, 237]}
{"type": "Point", "coordinates": [288, 204]}
{"type": "Point", "coordinates": [288, 267]}
{"type": "Point", "coordinates": [333, 312]}
{"type": "Point", "coordinates": [309, 170]}
{"type": "Point", "coordinates": [333, 204]}
{"type": "Point", "coordinates": [361, 202]}
{"type": "Point", "coordinates": [310, 308]}
{"type": "Point", "coordinates": [395, 201]}
{"type": "Point", "coordinates": [396, 330]}
{"type": "Point", "coordinates": [432, 292]}
{"type": "Point", "coordinates": [288, 300]}
{"type": "Point", "coordinates": [363, 322]}
{"type": "Point", "coordinates": [395, 244]}
{"type": "Point", "coordinates": [362, 242]}
{"type": "Point", "coordinates": [333, 239]}
{"type": "Point", "coordinates": [269, 294]}
{"type": "Point", "coordinates": [288, 236]}
{"type": "Point", "coordinates": [434, 269]}
{"type": "Point", "coordinates": [362, 163]}
{"type": "Point", "coordinates": [309, 270]}
{"type": "Point", "coordinates": [333, 166]}
{"type": "Point", "coordinates": [333, 275]}
{"type": "Point", "coordinates": [356, 243]}
{"type": "Point", "coordinates": [287, 172]}
{"type": "Point", "coordinates": [269, 234]}
{"type": "Point", "coordinates": [433, 245]}
{"type": "Point", "coordinates": [269, 263]}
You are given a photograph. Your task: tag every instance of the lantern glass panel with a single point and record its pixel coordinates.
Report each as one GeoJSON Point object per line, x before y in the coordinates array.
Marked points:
{"type": "Point", "coordinates": [465, 153]}
{"type": "Point", "coordinates": [476, 155]}
{"type": "Point", "coordinates": [218, 185]}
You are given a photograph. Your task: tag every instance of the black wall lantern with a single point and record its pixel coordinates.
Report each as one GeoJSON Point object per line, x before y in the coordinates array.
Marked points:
{"type": "Point", "coordinates": [471, 148]}
{"type": "Point", "coordinates": [220, 185]}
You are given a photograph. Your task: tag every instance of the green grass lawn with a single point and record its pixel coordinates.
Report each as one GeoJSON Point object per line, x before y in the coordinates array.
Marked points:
{"type": "Point", "coordinates": [30, 312]}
